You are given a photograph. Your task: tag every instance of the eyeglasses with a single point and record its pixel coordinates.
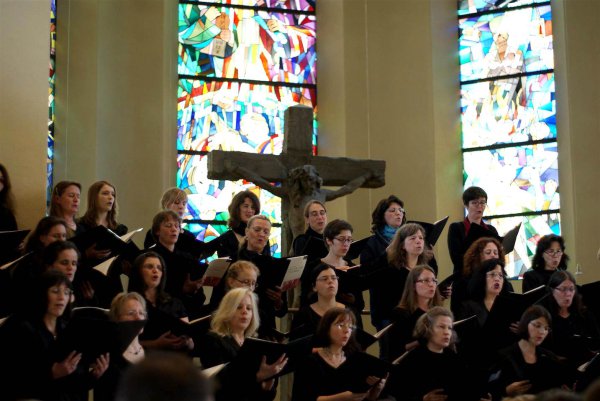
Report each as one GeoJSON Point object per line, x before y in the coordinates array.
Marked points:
{"type": "Point", "coordinates": [56, 291]}
{"type": "Point", "coordinates": [495, 275]}
{"type": "Point", "coordinates": [324, 279]}
{"type": "Point", "coordinates": [394, 210]}
{"type": "Point", "coordinates": [427, 281]}
{"type": "Point", "coordinates": [565, 289]}
{"type": "Point", "coordinates": [540, 327]}
{"type": "Point", "coordinates": [344, 326]}
{"type": "Point", "coordinates": [344, 240]}
{"type": "Point", "coordinates": [135, 314]}
{"type": "Point", "coordinates": [248, 283]}
{"type": "Point", "coordinates": [478, 203]}
{"type": "Point", "coordinates": [552, 252]}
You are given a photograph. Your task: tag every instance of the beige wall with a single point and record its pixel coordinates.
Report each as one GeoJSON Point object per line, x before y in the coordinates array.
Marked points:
{"type": "Point", "coordinates": [24, 46]}
{"type": "Point", "coordinates": [114, 124]}
{"type": "Point", "coordinates": [116, 105]}
{"type": "Point", "coordinates": [578, 119]}
{"type": "Point", "coordinates": [386, 98]}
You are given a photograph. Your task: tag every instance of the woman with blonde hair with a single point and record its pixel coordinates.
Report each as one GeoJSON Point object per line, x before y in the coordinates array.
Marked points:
{"type": "Point", "coordinates": [420, 294]}
{"type": "Point", "coordinates": [125, 307]}
{"type": "Point", "coordinates": [239, 274]}
{"type": "Point", "coordinates": [235, 320]}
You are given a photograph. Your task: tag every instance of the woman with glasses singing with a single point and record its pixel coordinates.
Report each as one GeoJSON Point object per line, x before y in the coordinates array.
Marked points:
{"type": "Point", "coordinates": [33, 366]}
{"type": "Point", "coordinates": [525, 367]}
{"type": "Point", "coordinates": [463, 233]}
{"type": "Point", "coordinates": [324, 374]}
{"type": "Point", "coordinates": [240, 274]}
{"type": "Point", "coordinates": [324, 282]}
{"type": "Point", "coordinates": [148, 278]}
{"type": "Point", "coordinates": [574, 330]}
{"type": "Point", "coordinates": [549, 257]}
{"type": "Point", "coordinates": [420, 294]}
{"type": "Point", "coordinates": [338, 238]}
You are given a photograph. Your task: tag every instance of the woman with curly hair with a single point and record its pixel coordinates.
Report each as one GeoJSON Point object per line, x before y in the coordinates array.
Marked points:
{"type": "Point", "coordinates": [479, 252]}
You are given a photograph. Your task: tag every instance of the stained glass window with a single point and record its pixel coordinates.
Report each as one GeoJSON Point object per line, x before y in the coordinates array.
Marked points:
{"type": "Point", "coordinates": [51, 115]}
{"type": "Point", "coordinates": [508, 117]}
{"type": "Point", "coordinates": [241, 64]}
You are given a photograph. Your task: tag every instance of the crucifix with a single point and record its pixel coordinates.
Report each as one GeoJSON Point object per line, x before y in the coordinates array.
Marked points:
{"type": "Point", "coordinates": [301, 174]}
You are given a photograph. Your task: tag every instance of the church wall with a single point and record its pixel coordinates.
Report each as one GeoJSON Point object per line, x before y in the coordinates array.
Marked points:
{"type": "Point", "coordinates": [400, 104]}
{"type": "Point", "coordinates": [578, 119]}
{"type": "Point", "coordinates": [118, 122]}
{"type": "Point", "coordinates": [25, 50]}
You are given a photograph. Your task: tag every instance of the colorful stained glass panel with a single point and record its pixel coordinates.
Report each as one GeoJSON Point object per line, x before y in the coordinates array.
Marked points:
{"type": "Point", "coordinates": [51, 114]}
{"type": "Point", "coordinates": [297, 5]}
{"type": "Point", "coordinates": [246, 44]}
{"type": "Point", "coordinates": [517, 179]}
{"type": "Point", "coordinates": [208, 199]}
{"type": "Point", "coordinates": [475, 6]}
{"type": "Point", "coordinates": [508, 110]}
{"type": "Point", "coordinates": [235, 116]}
{"type": "Point", "coordinates": [514, 42]}
{"type": "Point", "coordinates": [532, 229]}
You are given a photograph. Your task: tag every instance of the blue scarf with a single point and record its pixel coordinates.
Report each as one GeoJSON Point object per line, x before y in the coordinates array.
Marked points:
{"type": "Point", "coordinates": [388, 232]}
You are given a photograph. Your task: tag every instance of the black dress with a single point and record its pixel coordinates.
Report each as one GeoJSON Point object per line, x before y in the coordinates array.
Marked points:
{"type": "Point", "coordinates": [314, 377]}
{"type": "Point", "coordinates": [178, 266]}
{"type": "Point", "coordinates": [534, 278]}
{"type": "Point", "coordinates": [305, 322]}
{"type": "Point", "coordinates": [546, 373]}
{"type": "Point", "coordinates": [156, 325]}
{"type": "Point", "coordinates": [401, 333]}
{"type": "Point", "coordinates": [235, 382]}
{"type": "Point", "coordinates": [28, 352]}
{"type": "Point", "coordinates": [311, 244]}
{"type": "Point", "coordinates": [7, 220]}
{"type": "Point", "coordinates": [386, 287]}
{"type": "Point", "coordinates": [423, 371]}
{"type": "Point", "coordinates": [459, 240]}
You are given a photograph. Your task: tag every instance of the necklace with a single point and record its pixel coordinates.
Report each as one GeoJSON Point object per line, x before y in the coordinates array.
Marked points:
{"type": "Point", "coordinates": [329, 354]}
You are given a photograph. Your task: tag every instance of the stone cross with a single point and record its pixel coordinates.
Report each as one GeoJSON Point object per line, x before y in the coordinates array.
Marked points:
{"type": "Point", "coordinates": [300, 173]}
